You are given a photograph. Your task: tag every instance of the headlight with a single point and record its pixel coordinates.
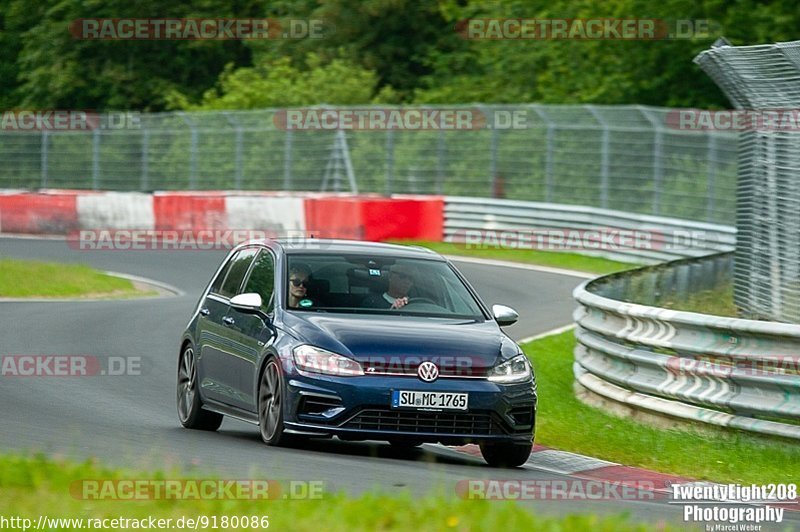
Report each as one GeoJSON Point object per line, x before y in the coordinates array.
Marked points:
{"type": "Point", "coordinates": [518, 369]}
{"type": "Point", "coordinates": [316, 360]}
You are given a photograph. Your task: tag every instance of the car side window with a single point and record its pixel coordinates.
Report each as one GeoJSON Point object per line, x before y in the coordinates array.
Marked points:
{"type": "Point", "coordinates": [262, 279]}
{"type": "Point", "coordinates": [216, 286]}
{"type": "Point", "coordinates": [236, 272]}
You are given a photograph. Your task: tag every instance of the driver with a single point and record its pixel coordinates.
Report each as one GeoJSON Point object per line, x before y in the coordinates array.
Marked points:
{"type": "Point", "coordinates": [401, 279]}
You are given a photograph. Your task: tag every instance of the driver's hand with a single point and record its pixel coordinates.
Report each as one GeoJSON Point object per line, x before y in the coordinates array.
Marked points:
{"type": "Point", "coordinates": [400, 302]}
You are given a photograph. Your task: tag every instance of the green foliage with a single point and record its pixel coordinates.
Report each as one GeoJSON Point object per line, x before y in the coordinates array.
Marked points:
{"type": "Point", "coordinates": [277, 83]}
{"type": "Point", "coordinates": [53, 69]}
{"type": "Point", "coordinates": [392, 51]}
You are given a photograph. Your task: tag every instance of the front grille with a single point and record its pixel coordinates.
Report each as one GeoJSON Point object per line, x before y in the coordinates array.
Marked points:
{"type": "Point", "coordinates": [461, 423]}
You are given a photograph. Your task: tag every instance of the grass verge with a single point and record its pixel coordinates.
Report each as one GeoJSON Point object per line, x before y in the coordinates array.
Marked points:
{"type": "Point", "coordinates": [20, 278]}
{"type": "Point", "coordinates": [569, 261]}
{"type": "Point", "coordinates": [33, 486]}
{"type": "Point", "coordinates": [720, 455]}
{"type": "Point", "coordinates": [718, 302]}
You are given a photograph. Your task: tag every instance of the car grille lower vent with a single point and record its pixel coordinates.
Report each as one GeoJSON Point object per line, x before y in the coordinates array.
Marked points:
{"type": "Point", "coordinates": [315, 405]}
{"type": "Point", "coordinates": [523, 416]}
{"type": "Point", "coordinates": [385, 420]}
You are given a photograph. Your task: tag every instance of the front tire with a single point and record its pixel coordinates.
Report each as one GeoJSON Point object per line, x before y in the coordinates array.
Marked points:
{"type": "Point", "coordinates": [190, 411]}
{"type": "Point", "coordinates": [270, 405]}
{"type": "Point", "coordinates": [506, 454]}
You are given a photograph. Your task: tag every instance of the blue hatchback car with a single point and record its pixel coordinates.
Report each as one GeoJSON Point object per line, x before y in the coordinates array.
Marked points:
{"type": "Point", "coordinates": [362, 341]}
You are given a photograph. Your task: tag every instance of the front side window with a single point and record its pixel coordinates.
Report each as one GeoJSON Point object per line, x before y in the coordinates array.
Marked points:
{"type": "Point", "coordinates": [239, 265]}
{"type": "Point", "coordinates": [262, 279]}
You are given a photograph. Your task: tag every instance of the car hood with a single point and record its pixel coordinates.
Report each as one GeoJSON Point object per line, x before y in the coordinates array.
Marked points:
{"type": "Point", "coordinates": [401, 342]}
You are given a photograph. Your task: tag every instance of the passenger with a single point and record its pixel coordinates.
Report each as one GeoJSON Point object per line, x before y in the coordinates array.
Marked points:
{"type": "Point", "coordinates": [401, 279]}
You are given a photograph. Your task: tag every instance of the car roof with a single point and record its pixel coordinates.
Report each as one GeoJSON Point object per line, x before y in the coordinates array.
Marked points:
{"type": "Point", "coordinates": [334, 246]}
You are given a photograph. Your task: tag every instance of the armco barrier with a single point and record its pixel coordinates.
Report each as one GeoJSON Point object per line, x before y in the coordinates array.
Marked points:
{"type": "Point", "coordinates": [724, 371]}
{"type": "Point", "coordinates": [671, 238]}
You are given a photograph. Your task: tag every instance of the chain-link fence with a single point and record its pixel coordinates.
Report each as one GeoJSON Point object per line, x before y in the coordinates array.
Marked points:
{"type": "Point", "coordinates": [629, 158]}
{"type": "Point", "coordinates": [765, 79]}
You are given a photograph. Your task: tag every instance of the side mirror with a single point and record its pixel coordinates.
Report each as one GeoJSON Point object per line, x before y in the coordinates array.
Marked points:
{"type": "Point", "coordinates": [247, 302]}
{"type": "Point", "coordinates": [504, 315]}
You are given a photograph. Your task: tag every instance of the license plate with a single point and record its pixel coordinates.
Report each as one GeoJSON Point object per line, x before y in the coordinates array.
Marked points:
{"type": "Point", "coordinates": [429, 400]}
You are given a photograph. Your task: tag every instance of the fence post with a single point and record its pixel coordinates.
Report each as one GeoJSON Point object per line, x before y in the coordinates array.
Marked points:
{"type": "Point", "coordinates": [548, 160]}
{"type": "Point", "coordinates": [287, 160]}
{"type": "Point", "coordinates": [96, 159]}
{"type": "Point", "coordinates": [237, 151]}
{"type": "Point", "coordinates": [440, 163]}
{"type": "Point", "coordinates": [145, 183]}
{"type": "Point", "coordinates": [712, 175]}
{"type": "Point", "coordinates": [389, 161]}
{"type": "Point", "coordinates": [192, 151]}
{"type": "Point", "coordinates": [604, 156]}
{"type": "Point", "coordinates": [43, 156]}
{"type": "Point", "coordinates": [658, 168]}
{"type": "Point", "coordinates": [493, 163]}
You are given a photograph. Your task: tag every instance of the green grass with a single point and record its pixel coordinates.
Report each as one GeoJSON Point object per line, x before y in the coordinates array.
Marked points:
{"type": "Point", "coordinates": [20, 278]}
{"type": "Point", "coordinates": [33, 486]}
{"type": "Point", "coordinates": [555, 259]}
{"type": "Point", "coordinates": [719, 455]}
{"type": "Point", "coordinates": [718, 302]}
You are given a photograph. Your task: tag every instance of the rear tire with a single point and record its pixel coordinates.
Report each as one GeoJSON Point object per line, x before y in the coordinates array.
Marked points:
{"type": "Point", "coordinates": [506, 454]}
{"type": "Point", "coordinates": [270, 405]}
{"type": "Point", "coordinates": [190, 407]}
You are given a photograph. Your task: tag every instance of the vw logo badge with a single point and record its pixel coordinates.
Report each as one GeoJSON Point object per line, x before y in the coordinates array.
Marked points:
{"type": "Point", "coordinates": [428, 371]}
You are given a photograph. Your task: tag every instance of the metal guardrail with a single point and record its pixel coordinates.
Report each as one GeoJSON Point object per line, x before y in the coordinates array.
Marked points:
{"type": "Point", "coordinates": [724, 371]}
{"type": "Point", "coordinates": [469, 219]}
{"type": "Point", "coordinates": [729, 372]}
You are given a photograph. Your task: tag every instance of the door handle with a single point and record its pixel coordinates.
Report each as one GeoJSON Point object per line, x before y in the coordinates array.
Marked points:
{"type": "Point", "coordinates": [204, 311]}
{"type": "Point", "coordinates": [227, 320]}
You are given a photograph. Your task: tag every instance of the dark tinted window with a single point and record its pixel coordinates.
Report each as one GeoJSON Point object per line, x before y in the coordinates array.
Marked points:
{"type": "Point", "coordinates": [236, 272]}
{"type": "Point", "coordinates": [262, 279]}
{"type": "Point", "coordinates": [357, 283]}
{"type": "Point", "coordinates": [217, 284]}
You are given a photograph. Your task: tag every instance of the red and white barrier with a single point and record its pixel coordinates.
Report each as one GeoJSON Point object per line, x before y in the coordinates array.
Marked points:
{"type": "Point", "coordinates": [325, 216]}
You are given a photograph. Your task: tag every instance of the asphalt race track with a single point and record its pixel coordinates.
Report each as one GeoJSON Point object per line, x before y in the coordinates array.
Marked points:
{"type": "Point", "coordinates": [131, 420]}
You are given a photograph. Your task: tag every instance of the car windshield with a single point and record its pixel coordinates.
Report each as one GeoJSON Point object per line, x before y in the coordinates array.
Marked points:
{"type": "Point", "coordinates": [377, 285]}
